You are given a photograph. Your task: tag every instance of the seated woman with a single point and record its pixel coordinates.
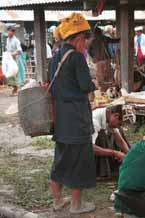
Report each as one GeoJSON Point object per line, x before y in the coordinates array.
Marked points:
{"type": "Point", "coordinates": [109, 145]}
{"type": "Point", "coordinates": [132, 179]}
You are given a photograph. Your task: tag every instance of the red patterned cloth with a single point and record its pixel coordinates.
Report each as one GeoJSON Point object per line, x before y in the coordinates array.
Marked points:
{"type": "Point", "coordinates": [140, 56]}
{"type": "Point", "coordinates": [1, 75]}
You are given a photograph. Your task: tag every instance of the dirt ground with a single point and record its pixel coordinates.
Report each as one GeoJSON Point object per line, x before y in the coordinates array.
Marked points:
{"type": "Point", "coordinates": [25, 167]}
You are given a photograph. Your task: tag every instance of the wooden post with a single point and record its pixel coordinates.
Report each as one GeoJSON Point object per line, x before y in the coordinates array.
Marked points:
{"type": "Point", "coordinates": [20, 31]}
{"type": "Point", "coordinates": [40, 43]}
{"type": "Point", "coordinates": [127, 44]}
{"type": "Point", "coordinates": [118, 21]}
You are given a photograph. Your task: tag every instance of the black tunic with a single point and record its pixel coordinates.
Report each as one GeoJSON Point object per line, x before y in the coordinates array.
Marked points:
{"type": "Point", "coordinates": [70, 92]}
{"type": "Point", "coordinates": [74, 164]}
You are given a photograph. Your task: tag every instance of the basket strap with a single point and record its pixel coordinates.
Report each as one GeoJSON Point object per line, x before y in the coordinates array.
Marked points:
{"type": "Point", "coordinates": [59, 67]}
{"type": "Point", "coordinates": [55, 75]}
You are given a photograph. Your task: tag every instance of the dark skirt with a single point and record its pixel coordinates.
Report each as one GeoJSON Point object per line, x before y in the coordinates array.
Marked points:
{"type": "Point", "coordinates": [12, 81]}
{"type": "Point", "coordinates": [74, 166]}
{"type": "Point", "coordinates": [106, 166]}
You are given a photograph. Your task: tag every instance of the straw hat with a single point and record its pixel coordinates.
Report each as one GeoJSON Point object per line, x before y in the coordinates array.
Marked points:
{"type": "Point", "coordinates": [73, 24]}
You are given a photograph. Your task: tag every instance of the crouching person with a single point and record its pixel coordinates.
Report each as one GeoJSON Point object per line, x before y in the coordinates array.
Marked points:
{"type": "Point", "coordinates": [109, 144]}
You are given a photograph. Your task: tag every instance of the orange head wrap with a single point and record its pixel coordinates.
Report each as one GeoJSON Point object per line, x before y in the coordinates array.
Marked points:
{"type": "Point", "coordinates": [71, 25]}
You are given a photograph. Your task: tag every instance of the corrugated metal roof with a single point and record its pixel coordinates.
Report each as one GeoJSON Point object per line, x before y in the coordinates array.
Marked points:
{"type": "Point", "coordinates": [16, 15]}
{"type": "Point", "coordinates": [12, 3]}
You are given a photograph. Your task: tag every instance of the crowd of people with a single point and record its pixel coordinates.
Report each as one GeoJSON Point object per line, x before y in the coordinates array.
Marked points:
{"type": "Point", "coordinates": [89, 144]}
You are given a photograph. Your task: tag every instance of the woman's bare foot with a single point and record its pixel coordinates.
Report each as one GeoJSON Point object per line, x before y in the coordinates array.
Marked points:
{"type": "Point", "coordinates": [58, 205]}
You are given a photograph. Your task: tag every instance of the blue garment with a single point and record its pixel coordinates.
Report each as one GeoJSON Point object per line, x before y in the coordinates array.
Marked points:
{"type": "Point", "coordinates": [21, 66]}
{"type": "Point", "coordinates": [111, 50]}
{"type": "Point", "coordinates": [138, 40]}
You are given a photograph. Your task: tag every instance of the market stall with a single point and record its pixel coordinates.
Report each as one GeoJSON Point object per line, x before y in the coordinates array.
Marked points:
{"type": "Point", "coordinates": [125, 20]}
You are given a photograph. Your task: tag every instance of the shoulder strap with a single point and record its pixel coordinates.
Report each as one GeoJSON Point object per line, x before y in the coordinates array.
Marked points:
{"type": "Point", "coordinates": [59, 66]}
{"type": "Point", "coordinates": [62, 61]}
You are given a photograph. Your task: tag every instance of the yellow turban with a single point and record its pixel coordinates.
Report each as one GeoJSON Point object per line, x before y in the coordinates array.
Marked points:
{"type": "Point", "coordinates": [73, 24]}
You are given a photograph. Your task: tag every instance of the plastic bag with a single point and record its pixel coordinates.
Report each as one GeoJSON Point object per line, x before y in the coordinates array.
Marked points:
{"type": "Point", "coordinates": [31, 84]}
{"type": "Point", "coordinates": [9, 65]}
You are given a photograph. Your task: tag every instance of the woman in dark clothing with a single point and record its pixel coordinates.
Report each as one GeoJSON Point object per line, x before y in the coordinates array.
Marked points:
{"type": "Point", "coordinates": [74, 164]}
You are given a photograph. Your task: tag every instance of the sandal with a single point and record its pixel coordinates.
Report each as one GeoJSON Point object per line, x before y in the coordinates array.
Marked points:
{"type": "Point", "coordinates": [86, 207]}
{"type": "Point", "coordinates": [61, 204]}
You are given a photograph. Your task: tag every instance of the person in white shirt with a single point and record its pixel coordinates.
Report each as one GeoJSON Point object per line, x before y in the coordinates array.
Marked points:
{"type": "Point", "coordinates": [13, 43]}
{"type": "Point", "coordinates": [13, 46]}
{"type": "Point", "coordinates": [108, 143]}
{"type": "Point", "coordinates": [139, 43]}
{"type": "Point", "coordinates": [48, 51]}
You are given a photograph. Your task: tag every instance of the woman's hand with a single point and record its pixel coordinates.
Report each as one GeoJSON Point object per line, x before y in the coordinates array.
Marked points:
{"type": "Point", "coordinates": [14, 54]}
{"type": "Point", "coordinates": [119, 155]}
